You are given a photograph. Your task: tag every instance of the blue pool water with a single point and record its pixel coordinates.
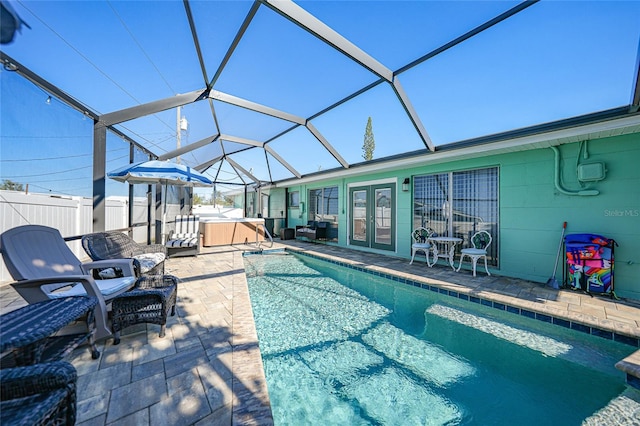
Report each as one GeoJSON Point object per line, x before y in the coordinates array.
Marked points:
{"type": "Point", "coordinates": [342, 347]}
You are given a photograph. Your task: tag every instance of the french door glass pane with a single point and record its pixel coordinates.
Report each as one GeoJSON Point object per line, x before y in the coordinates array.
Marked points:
{"type": "Point", "coordinates": [315, 204]}
{"type": "Point", "coordinates": [360, 215]}
{"type": "Point", "coordinates": [383, 216]}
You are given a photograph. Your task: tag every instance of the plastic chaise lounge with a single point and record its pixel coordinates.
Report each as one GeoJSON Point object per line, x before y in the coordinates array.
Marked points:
{"type": "Point", "coordinates": [147, 259]}
{"type": "Point", "coordinates": [44, 268]}
{"type": "Point", "coordinates": [40, 394]}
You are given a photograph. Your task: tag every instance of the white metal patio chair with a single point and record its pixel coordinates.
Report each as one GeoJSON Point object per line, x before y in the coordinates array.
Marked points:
{"type": "Point", "coordinates": [481, 241]}
{"type": "Point", "coordinates": [420, 237]}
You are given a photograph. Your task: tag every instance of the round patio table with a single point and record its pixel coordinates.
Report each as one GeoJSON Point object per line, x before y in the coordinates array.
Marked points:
{"type": "Point", "coordinates": [449, 245]}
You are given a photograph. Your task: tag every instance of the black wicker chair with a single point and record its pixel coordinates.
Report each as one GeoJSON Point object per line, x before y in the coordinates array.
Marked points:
{"type": "Point", "coordinates": [40, 394]}
{"type": "Point", "coordinates": [147, 259]}
{"type": "Point", "coordinates": [149, 302]}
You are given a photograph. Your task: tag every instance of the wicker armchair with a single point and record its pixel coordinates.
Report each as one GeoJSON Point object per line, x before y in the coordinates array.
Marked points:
{"type": "Point", "coordinates": [147, 259]}
{"type": "Point", "coordinates": [40, 394]}
{"type": "Point", "coordinates": [149, 302]}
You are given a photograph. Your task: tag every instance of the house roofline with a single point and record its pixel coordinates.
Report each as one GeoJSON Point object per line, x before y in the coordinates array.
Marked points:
{"type": "Point", "coordinates": [612, 122]}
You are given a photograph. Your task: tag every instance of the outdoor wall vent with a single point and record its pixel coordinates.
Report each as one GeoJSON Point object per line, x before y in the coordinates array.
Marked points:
{"type": "Point", "coordinates": [591, 172]}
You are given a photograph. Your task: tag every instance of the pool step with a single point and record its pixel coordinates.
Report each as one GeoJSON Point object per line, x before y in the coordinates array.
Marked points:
{"type": "Point", "coordinates": [631, 366]}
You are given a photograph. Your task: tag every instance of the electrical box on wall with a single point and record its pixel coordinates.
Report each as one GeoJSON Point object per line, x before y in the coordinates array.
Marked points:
{"type": "Point", "coordinates": [591, 172]}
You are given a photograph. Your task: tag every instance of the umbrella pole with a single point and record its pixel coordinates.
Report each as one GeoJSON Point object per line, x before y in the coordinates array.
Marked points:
{"type": "Point", "coordinates": [164, 216]}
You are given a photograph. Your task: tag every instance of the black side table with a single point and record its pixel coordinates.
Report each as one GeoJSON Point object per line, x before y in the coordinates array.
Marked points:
{"type": "Point", "coordinates": [27, 335]}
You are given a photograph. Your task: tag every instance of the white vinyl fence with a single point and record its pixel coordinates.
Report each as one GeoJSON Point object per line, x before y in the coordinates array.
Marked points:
{"type": "Point", "coordinates": [72, 216]}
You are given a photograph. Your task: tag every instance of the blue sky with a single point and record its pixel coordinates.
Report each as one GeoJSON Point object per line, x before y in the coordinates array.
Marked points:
{"type": "Point", "coordinates": [556, 59]}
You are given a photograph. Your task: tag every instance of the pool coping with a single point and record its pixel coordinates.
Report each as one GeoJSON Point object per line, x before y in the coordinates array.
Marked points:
{"type": "Point", "coordinates": [630, 365]}
{"type": "Point", "coordinates": [493, 300]}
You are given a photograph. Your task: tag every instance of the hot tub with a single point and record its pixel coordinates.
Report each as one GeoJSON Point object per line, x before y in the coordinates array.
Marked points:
{"type": "Point", "coordinates": [226, 231]}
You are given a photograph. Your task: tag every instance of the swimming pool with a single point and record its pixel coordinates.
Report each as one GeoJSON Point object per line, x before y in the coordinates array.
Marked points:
{"type": "Point", "coordinates": [342, 347]}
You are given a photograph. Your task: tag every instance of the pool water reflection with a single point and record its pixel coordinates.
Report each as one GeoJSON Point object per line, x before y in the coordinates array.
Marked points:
{"type": "Point", "coordinates": [344, 347]}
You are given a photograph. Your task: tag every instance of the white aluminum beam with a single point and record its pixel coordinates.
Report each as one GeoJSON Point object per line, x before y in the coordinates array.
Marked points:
{"type": "Point", "coordinates": [242, 141]}
{"type": "Point", "coordinates": [243, 103]}
{"type": "Point", "coordinates": [188, 148]}
{"type": "Point", "coordinates": [204, 166]}
{"type": "Point", "coordinates": [319, 29]}
{"type": "Point", "coordinates": [127, 114]}
{"type": "Point", "coordinates": [246, 172]}
{"type": "Point", "coordinates": [413, 115]}
{"type": "Point", "coordinates": [327, 145]}
{"type": "Point", "coordinates": [288, 166]}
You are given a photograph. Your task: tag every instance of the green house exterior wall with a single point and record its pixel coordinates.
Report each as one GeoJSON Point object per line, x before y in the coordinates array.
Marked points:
{"type": "Point", "coordinates": [532, 209]}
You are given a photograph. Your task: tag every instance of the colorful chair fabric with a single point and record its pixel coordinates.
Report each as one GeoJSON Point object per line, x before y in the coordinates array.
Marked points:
{"type": "Point", "coordinates": [590, 263]}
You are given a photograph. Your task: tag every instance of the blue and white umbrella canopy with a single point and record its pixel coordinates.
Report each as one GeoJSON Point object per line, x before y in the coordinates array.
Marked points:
{"type": "Point", "coordinates": [162, 172]}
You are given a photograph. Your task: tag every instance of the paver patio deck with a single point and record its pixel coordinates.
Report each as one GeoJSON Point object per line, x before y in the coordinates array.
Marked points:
{"type": "Point", "coordinates": [207, 370]}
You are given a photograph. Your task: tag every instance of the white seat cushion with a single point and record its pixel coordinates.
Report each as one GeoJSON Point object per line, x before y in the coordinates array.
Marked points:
{"type": "Point", "coordinates": [149, 260]}
{"type": "Point", "coordinates": [421, 245]}
{"type": "Point", "coordinates": [106, 287]}
{"type": "Point", "coordinates": [473, 251]}
{"type": "Point", "coordinates": [187, 242]}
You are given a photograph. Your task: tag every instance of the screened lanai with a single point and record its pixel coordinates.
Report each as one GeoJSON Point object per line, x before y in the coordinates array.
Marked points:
{"type": "Point", "coordinates": [272, 98]}
{"type": "Point", "coordinates": [256, 93]}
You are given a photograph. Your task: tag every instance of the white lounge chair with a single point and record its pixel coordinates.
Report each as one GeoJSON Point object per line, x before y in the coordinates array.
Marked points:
{"type": "Point", "coordinates": [185, 241]}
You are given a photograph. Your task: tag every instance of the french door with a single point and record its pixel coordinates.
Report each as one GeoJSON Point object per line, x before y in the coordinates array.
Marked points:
{"type": "Point", "coordinates": [372, 216]}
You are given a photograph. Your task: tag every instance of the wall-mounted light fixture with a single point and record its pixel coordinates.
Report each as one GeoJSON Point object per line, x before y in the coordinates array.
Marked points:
{"type": "Point", "coordinates": [405, 184]}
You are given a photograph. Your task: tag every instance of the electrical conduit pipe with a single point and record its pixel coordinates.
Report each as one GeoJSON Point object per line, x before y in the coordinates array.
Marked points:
{"type": "Point", "coordinates": [585, 192]}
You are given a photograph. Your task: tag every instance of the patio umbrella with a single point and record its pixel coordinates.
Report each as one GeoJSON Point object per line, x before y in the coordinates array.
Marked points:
{"type": "Point", "coordinates": [160, 172]}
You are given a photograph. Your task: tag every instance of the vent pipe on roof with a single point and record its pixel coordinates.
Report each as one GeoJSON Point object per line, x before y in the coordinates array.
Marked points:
{"type": "Point", "coordinates": [587, 192]}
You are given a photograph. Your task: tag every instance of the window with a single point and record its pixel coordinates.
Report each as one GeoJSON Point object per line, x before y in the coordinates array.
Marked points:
{"type": "Point", "coordinates": [459, 204]}
{"type": "Point", "coordinates": [323, 207]}
{"type": "Point", "coordinates": [323, 204]}
{"type": "Point", "coordinates": [294, 199]}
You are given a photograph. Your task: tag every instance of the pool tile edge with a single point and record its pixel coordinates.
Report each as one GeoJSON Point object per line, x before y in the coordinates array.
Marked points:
{"type": "Point", "coordinates": [484, 298]}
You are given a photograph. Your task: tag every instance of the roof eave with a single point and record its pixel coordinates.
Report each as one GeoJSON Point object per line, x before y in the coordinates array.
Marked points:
{"type": "Point", "coordinates": [613, 122]}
